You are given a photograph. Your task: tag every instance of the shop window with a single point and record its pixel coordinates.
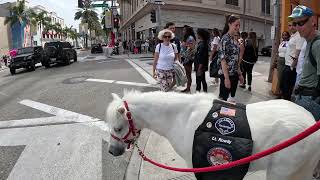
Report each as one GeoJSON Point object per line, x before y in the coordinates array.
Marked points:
{"type": "Point", "coordinates": [232, 2]}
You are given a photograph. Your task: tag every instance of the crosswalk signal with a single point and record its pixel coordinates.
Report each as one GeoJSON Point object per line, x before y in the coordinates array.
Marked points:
{"type": "Point", "coordinates": [153, 16]}
{"type": "Point", "coordinates": [80, 3]}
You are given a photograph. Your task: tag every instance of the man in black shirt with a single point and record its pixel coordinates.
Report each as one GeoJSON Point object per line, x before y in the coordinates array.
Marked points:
{"type": "Point", "coordinates": [172, 27]}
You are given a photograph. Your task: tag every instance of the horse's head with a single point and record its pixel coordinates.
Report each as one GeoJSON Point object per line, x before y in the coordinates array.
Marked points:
{"type": "Point", "coordinates": [122, 131]}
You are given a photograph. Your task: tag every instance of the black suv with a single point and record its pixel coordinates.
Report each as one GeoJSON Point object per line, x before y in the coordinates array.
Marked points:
{"type": "Point", "coordinates": [96, 48]}
{"type": "Point", "coordinates": [26, 58]}
{"type": "Point", "coordinates": [58, 52]}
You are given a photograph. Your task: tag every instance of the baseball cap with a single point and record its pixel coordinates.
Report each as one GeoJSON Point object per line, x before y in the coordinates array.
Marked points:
{"type": "Point", "coordinates": [301, 11]}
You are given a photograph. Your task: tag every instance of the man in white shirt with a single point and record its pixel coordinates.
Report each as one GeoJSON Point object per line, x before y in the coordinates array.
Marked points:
{"type": "Point", "coordinates": [300, 62]}
{"type": "Point", "coordinates": [291, 59]}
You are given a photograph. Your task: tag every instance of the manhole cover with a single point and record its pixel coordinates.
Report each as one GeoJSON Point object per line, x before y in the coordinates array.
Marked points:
{"type": "Point", "coordinates": [76, 80]}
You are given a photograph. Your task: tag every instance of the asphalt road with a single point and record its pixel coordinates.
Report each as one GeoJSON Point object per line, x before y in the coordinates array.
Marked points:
{"type": "Point", "coordinates": [51, 120]}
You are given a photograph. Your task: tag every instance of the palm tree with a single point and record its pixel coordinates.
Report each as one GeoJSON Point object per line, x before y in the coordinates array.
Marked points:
{"type": "Point", "coordinates": [88, 15]}
{"type": "Point", "coordinates": [40, 19]}
{"type": "Point", "coordinates": [18, 14]}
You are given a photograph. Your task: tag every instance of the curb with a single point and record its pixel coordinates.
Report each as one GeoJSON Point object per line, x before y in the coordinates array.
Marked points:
{"type": "Point", "coordinates": [134, 166]}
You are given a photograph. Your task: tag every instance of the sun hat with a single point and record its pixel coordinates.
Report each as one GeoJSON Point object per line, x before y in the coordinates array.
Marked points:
{"type": "Point", "coordinates": [301, 11]}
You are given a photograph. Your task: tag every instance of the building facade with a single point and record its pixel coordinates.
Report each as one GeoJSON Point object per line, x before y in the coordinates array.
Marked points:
{"type": "Point", "coordinates": [40, 37]}
{"type": "Point", "coordinates": [5, 30]}
{"type": "Point", "coordinates": [256, 15]}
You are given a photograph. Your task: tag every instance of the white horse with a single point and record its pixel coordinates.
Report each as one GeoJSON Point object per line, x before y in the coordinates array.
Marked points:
{"type": "Point", "coordinates": [176, 116]}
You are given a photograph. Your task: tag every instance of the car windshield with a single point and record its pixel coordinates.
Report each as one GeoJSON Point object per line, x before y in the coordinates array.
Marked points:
{"type": "Point", "coordinates": [25, 50]}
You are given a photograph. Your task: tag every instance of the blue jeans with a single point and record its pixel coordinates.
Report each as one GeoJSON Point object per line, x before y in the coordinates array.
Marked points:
{"type": "Point", "coordinates": [310, 105]}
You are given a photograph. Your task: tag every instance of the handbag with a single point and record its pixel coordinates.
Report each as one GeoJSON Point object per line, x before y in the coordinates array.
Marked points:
{"type": "Point", "coordinates": [214, 67]}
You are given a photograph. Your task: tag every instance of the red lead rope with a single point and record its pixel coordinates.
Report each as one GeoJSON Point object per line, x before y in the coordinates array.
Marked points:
{"type": "Point", "coordinates": [246, 160]}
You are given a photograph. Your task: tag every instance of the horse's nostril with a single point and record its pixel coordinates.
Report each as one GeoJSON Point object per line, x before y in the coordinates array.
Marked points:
{"type": "Point", "coordinates": [110, 152]}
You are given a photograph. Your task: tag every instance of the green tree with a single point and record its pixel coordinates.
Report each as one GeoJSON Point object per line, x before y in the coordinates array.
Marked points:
{"type": "Point", "coordinates": [40, 19]}
{"type": "Point", "coordinates": [18, 14]}
{"type": "Point", "coordinates": [88, 15]}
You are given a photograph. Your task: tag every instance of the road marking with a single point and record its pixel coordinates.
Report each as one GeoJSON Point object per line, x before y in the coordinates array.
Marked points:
{"type": "Point", "coordinates": [101, 80]}
{"type": "Point", "coordinates": [121, 82]}
{"type": "Point", "coordinates": [143, 73]}
{"type": "Point", "coordinates": [107, 61]}
{"type": "Point", "coordinates": [61, 116]}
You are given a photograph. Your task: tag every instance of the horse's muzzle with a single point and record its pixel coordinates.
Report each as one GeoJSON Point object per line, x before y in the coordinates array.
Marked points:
{"type": "Point", "coordinates": [115, 151]}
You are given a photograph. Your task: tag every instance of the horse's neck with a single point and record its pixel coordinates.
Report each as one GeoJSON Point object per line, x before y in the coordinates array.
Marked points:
{"type": "Point", "coordinates": [169, 115]}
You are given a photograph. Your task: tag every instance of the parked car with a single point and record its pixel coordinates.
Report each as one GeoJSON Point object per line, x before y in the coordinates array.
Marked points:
{"type": "Point", "coordinates": [266, 51]}
{"type": "Point", "coordinates": [96, 48]}
{"type": "Point", "coordinates": [26, 58]}
{"type": "Point", "coordinates": [58, 52]}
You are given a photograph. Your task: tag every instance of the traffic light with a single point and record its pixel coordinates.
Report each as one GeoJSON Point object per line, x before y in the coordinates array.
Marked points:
{"type": "Point", "coordinates": [116, 22]}
{"type": "Point", "coordinates": [80, 3]}
{"type": "Point", "coordinates": [153, 16]}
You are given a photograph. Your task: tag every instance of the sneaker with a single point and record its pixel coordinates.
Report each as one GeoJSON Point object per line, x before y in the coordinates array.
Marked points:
{"type": "Point", "coordinates": [249, 88]}
{"type": "Point", "coordinates": [242, 86]}
{"type": "Point", "coordinates": [185, 91]}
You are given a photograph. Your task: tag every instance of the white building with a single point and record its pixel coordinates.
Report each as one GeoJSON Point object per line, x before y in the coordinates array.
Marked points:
{"type": "Point", "coordinates": [256, 15]}
{"type": "Point", "coordinates": [41, 35]}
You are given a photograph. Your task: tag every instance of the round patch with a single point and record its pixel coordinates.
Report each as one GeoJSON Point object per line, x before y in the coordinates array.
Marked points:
{"type": "Point", "coordinates": [215, 115]}
{"type": "Point", "coordinates": [218, 156]}
{"type": "Point", "coordinates": [225, 126]}
{"type": "Point", "coordinates": [209, 125]}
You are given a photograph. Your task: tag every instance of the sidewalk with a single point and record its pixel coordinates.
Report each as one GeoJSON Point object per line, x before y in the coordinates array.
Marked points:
{"type": "Point", "coordinates": [159, 149]}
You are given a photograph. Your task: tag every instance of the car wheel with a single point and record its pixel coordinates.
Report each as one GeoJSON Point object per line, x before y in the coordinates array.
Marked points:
{"type": "Point", "coordinates": [32, 66]}
{"type": "Point", "coordinates": [75, 58]}
{"type": "Point", "coordinates": [67, 61]}
{"type": "Point", "coordinates": [12, 71]}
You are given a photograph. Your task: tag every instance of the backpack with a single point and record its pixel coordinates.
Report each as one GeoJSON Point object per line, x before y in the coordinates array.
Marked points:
{"type": "Point", "coordinates": [160, 47]}
{"type": "Point", "coordinates": [312, 59]}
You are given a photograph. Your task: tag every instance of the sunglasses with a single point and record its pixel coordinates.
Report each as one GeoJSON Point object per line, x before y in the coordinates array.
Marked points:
{"type": "Point", "coordinates": [300, 23]}
{"type": "Point", "coordinates": [166, 36]}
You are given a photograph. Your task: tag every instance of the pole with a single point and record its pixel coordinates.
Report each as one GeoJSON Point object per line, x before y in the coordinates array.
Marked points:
{"type": "Point", "coordinates": [276, 40]}
{"type": "Point", "coordinates": [158, 18]}
{"type": "Point", "coordinates": [244, 13]}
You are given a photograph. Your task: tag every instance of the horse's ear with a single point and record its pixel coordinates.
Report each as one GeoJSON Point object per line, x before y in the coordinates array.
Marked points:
{"type": "Point", "coordinates": [121, 110]}
{"type": "Point", "coordinates": [115, 96]}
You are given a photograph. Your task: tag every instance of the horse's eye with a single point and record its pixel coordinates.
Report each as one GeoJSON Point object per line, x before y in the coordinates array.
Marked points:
{"type": "Point", "coordinates": [117, 129]}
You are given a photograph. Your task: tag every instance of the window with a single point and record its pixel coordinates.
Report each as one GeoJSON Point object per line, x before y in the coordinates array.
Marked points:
{"type": "Point", "coordinates": [265, 6]}
{"type": "Point", "coordinates": [233, 2]}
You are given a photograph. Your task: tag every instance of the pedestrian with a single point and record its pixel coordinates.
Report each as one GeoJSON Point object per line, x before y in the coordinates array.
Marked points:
{"type": "Point", "coordinates": [229, 55]}
{"type": "Point", "coordinates": [201, 59]}
{"type": "Point", "coordinates": [146, 46]}
{"type": "Point", "coordinates": [165, 55]}
{"type": "Point", "coordinates": [281, 57]}
{"type": "Point", "coordinates": [291, 59]}
{"type": "Point", "coordinates": [308, 91]}
{"type": "Point", "coordinates": [172, 27]}
{"type": "Point", "coordinates": [249, 58]}
{"type": "Point", "coordinates": [215, 46]}
{"type": "Point", "coordinates": [188, 54]}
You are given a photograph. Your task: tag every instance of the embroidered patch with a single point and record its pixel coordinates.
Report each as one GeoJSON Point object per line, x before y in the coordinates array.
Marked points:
{"type": "Point", "coordinates": [209, 125]}
{"type": "Point", "coordinates": [227, 111]}
{"type": "Point", "coordinates": [218, 155]}
{"type": "Point", "coordinates": [225, 126]}
{"type": "Point", "coordinates": [215, 115]}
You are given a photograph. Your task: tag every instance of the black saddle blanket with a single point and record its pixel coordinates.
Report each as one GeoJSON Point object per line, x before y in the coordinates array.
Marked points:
{"type": "Point", "coordinates": [224, 136]}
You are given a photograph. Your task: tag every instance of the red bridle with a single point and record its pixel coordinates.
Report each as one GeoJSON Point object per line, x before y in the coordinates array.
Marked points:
{"type": "Point", "coordinates": [132, 129]}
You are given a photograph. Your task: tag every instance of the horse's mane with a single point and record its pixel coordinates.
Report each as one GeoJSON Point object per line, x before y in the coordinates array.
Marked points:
{"type": "Point", "coordinates": [167, 97]}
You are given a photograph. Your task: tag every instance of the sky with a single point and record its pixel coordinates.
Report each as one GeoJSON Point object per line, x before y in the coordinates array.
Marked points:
{"type": "Point", "coordinates": [64, 9]}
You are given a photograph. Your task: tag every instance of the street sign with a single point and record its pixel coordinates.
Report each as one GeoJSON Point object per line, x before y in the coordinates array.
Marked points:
{"type": "Point", "coordinates": [107, 19]}
{"type": "Point", "coordinates": [100, 5]}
